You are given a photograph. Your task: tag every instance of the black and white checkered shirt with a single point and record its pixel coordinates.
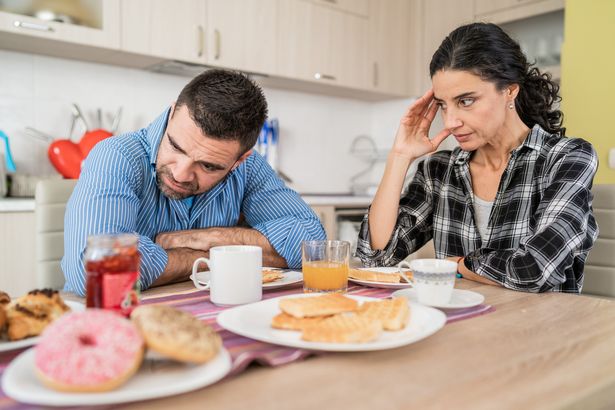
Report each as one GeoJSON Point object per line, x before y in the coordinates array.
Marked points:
{"type": "Point", "coordinates": [541, 225]}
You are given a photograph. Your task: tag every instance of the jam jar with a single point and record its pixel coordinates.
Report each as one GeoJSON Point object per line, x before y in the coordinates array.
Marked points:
{"type": "Point", "coordinates": [112, 268]}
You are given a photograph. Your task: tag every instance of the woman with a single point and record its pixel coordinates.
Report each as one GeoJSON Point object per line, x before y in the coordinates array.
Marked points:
{"type": "Point", "coordinates": [512, 204]}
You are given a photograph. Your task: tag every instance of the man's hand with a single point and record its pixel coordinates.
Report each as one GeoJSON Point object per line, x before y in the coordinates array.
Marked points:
{"type": "Point", "coordinates": [201, 239]}
{"type": "Point", "coordinates": [205, 239]}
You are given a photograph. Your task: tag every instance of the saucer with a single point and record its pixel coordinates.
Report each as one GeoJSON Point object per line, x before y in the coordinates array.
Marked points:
{"type": "Point", "coordinates": [459, 299]}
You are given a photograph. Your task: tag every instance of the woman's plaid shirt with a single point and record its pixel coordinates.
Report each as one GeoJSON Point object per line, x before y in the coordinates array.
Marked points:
{"type": "Point", "coordinates": [540, 229]}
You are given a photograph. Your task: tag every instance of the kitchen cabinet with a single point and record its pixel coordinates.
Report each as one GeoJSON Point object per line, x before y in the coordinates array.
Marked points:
{"type": "Point", "coordinates": [242, 34]}
{"type": "Point", "coordinates": [440, 17]}
{"type": "Point", "coordinates": [171, 30]}
{"type": "Point", "coordinates": [321, 44]}
{"type": "Point", "coordinates": [393, 37]}
{"type": "Point", "coordinates": [93, 23]}
{"type": "Point", "coordinates": [17, 262]}
{"type": "Point", "coordinates": [501, 11]}
{"type": "Point", "coordinates": [360, 7]}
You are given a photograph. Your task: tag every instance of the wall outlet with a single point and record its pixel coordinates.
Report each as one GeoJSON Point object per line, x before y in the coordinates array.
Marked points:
{"type": "Point", "coordinates": [612, 158]}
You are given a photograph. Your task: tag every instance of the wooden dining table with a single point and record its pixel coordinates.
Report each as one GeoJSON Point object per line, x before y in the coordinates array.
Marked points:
{"type": "Point", "coordinates": [548, 350]}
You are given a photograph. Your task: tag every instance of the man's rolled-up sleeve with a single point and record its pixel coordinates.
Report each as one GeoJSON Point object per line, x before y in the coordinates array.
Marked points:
{"type": "Point", "coordinates": [105, 200]}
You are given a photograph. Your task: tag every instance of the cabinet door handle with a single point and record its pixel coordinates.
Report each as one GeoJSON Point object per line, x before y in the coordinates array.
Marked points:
{"type": "Point", "coordinates": [32, 26]}
{"type": "Point", "coordinates": [375, 74]}
{"type": "Point", "coordinates": [217, 44]}
{"type": "Point", "coordinates": [321, 76]}
{"type": "Point", "coordinates": [200, 40]}
{"type": "Point", "coordinates": [330, 1]}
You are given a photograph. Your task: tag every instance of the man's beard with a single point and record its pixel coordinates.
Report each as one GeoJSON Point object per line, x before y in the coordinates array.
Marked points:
{"type": "Point", "coordinates": [191, 187]}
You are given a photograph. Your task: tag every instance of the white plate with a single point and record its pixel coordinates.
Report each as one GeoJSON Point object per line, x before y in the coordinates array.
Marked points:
{"type": "Point", "coordinates": [254, 321]}
{"type": "Point", "coordinates": [6, 345]}
{"type": "Point", "coordinates": [154, 379]}
{"type": "Point", "coordinates": [460, 298]}
{"type": "Point", "coordinates": [385, 285]}
{"type": "Point", "coordinates": [291, 277]}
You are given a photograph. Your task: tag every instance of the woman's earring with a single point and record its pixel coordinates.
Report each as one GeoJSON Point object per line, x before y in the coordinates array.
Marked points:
{"type": "Point", "coordinates": [511, 106]}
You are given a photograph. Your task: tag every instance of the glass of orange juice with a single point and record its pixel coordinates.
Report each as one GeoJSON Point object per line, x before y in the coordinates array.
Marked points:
{"type": "Point", "coordinates": [325, 266]}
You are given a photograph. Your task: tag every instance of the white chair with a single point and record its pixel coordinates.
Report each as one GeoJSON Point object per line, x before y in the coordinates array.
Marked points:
{"type": "Point", "coordinates": [50, 199]}
{"type": "Point", "coordinates": [600, 264]}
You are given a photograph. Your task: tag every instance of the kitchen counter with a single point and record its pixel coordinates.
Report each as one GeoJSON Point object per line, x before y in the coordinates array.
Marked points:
{"type": "Point", "coordinates": [27, 204]}
{"type": "Point", "coordinates": [338, 201]}
{"type": "Point", "coordinates": [16, 204]}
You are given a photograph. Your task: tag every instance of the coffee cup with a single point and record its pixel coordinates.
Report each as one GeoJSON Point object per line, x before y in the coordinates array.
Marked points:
{"type": "Point", "coordinates": [235, 274]}
{"type": "Point", "coordinates": [433, 279]}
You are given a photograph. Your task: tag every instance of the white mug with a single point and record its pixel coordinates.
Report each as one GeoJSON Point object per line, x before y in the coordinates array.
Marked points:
{"type": "Point", "coordinates": [235, 274]}
{"type": "Point", "coordinates": [433, 279]}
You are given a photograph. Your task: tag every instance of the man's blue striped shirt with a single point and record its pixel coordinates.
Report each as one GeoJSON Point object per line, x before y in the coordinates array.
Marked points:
{"type": "Point", "coordinates": [117, 193]}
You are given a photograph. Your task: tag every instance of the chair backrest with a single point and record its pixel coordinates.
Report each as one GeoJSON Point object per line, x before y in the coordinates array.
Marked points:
{"type": "Point", "coordinates": [51, 198]}
{"type": "Point", "coordinates": [600, 264]}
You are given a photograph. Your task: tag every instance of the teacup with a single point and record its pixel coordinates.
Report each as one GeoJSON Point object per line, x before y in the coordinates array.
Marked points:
{"type": "Point", "coordinates": [235, 274]}
{"type": "Point", "coordinates": [433, 279]}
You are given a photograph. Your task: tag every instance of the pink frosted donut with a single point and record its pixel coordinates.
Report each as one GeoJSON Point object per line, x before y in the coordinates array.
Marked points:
{"type": "Point", "coordinates": [91, 351]}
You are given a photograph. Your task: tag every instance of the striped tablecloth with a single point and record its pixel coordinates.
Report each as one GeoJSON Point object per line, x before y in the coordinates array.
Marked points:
{"type": "Point", "coordinates": [242, 349]}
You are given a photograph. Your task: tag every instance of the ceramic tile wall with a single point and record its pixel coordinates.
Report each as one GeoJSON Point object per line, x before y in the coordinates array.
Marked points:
{"type": "Point", "coordinates": [316, 131]}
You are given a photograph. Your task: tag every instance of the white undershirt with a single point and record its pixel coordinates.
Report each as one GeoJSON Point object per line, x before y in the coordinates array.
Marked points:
{"type": "Point", "coordinates": [482, 209]}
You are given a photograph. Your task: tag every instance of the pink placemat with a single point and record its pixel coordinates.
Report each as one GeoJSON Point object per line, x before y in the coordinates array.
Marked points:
{"type": "Point", "coordinates": [243, 350]}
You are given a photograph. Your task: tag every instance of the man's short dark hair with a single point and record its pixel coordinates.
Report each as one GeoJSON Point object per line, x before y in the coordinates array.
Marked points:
{"type": "Point", "coordinates": [225, 105]}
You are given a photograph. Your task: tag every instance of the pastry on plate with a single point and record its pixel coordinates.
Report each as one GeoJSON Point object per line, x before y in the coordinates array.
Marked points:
{"type": "Point", "coordinates": [176, 334]}
{"type": "Point", "coordinates": [30, 314]}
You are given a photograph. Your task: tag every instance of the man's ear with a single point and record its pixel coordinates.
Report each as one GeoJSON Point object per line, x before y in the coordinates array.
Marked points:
{"type": "Point", "coordinates": [172, 109]}
{"type": "Point", "coordinates": [242, 158]}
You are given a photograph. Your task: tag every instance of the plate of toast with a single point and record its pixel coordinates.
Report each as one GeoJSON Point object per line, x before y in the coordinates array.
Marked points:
{"type": "Point", "coordinates": [273, 278]}
{"type": "Point", "coordinates": [334, 322]}
{"type": "Point", "coordinates": [23, 319]}
{"type": "Point", "coordinates": [385, 277]}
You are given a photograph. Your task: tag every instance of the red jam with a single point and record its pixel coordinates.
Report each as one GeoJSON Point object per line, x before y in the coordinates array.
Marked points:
{"type": "Point", "coordinates": [112, 266]}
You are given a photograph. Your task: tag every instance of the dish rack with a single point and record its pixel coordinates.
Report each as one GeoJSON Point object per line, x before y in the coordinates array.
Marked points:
{"type": "Point", "coordinates": [365, 148]}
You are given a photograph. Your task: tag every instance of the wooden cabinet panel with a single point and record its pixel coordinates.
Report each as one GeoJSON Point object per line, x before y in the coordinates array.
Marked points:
{"type": "Point", "coordinates": [172, 30]}
{"type": "Point", "coordinates": [489, 6]}
{"type": "Point", "coordinates": [321, 44]}
{"type": "Point", "coordinates": [391, 34]}
{"type": "Point", "coordinates": [360, 7]}
{"type": "Point", "coordinates": [17, 270]}
{"type": "Point", "coordinates": [242, 34]}
{"type": "Point", "coordinates": [100, 25]}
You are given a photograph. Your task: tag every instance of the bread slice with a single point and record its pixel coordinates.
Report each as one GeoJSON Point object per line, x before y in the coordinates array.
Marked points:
{"type": "Point", "coordinates": [371, 276]}
{"type": "Point", "coordinates": [343, 328]}
{"type": "Point", "coordinates": [324, 305]}
{"type": "Point", "coordinates": [392, 313]}
{"type": "Point", "coordinates": [288, 322]}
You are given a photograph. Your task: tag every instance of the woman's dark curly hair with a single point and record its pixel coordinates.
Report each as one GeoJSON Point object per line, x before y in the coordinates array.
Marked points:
{"type": "Point", "coordinates": [486, 50]}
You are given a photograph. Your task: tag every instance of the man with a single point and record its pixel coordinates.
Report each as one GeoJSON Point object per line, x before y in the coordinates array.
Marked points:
{"type": "Point", "coordinates": [183, 184]}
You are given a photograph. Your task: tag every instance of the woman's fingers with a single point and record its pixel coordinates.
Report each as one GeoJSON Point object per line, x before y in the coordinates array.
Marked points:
{"type": "Point", "coordinates": [419, 108]}
{"type": "Point", "coordinates": [441, 136]}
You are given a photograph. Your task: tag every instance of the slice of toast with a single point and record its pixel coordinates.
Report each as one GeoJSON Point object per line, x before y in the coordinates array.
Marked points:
{"type": "Point", "coordinates": [371, 276]}
{"type": "Point", "coordinates": [343, 328]}
{"type": "Point", "coordinates": [324, 305]}
{"type": "Point", "coordinates": [392, 313]}
{"type": "Point", "coordinates": [288, 322]}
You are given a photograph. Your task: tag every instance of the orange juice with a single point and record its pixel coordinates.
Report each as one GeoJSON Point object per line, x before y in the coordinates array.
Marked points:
{"type": "Point", "coordinates": [323, 276]}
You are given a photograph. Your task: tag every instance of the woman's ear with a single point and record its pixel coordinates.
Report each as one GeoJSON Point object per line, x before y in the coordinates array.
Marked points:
{"type": "Point", "coordinates": [512, 91]}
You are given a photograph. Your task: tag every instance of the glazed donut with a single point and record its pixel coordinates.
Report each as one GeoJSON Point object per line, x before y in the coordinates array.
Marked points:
{"type": "Point", "coordinates": [91, 351]}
